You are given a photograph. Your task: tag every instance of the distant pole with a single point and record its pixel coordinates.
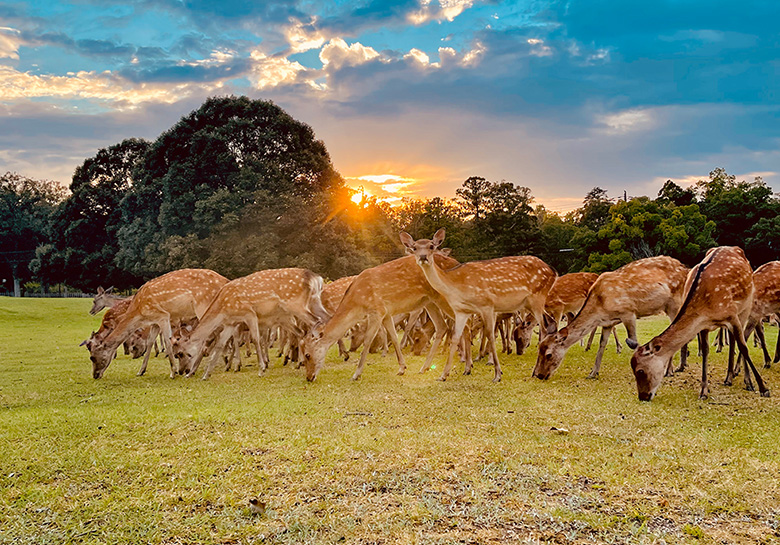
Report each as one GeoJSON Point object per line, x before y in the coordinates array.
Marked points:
{"type": "Point", "coordinates": [625, 197]}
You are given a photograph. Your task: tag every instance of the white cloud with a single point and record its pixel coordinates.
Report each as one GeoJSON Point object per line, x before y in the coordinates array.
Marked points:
{"type": "Point", "coordinates": [15, 85]}
{"type": "Point", "coordinates": [336, 53]}
{"type": "Point", "coordinates": [442, 10]}
{"type": "Point", "coordinates": [10, 41]}
{"type": "Point", "coordinates": [629, 121]}
{"type": "Point", "coordinates": [472, 57]}
{"type": "Point", "coordinates": [418, 56]}
{"type": "Point", "coordinates": [303, 37]}
{"type": "Point", "coordinates": [269, 72]}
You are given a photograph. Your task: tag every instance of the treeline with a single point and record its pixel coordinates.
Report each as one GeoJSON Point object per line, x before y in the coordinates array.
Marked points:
{"type": "Point", "coordinates": [238, 186]}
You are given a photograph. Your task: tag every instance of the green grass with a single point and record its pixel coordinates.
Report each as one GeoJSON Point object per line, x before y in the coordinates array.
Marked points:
{"type": "Point", "coordinates": [388, 459]}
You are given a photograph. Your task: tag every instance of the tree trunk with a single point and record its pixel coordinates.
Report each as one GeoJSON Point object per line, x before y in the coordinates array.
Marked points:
{"type": "Point", "coordinates": [17, 287]}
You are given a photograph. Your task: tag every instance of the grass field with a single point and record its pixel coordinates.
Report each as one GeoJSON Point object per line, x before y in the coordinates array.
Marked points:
{"type": "Point", "coordinates": [388, 459]}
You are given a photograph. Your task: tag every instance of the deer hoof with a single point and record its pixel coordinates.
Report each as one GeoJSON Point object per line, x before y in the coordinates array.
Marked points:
{"type": "Point", "coordinates": [766, 393]}
{"type": "Point", "coordinates": [632, 344]}
{"type": "Point", "coordinates": [592, 376]}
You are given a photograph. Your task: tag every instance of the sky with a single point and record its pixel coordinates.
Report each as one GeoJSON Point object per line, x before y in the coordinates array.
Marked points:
{"type": "Point", "coordinates": [412, 97]}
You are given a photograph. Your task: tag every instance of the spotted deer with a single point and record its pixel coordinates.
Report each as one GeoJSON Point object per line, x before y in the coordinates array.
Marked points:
{"type": "Point", "coordinates": [645, 287]}
{"type": "Point", "coordinates": [485, 288]}
{"type": "Point", "coordinates": [287, 297]}
{"type": "Point", "coordinates": [718, 292]}
{"type": "Point", "coordinates": [377, 295]}
{"type": "Point", "coordinates": [766, 301]}
{"type": "Point", "coordinates": [566, 296]}
{"type": "Point", "coordinates": [332, 294]}
{"type": "Point", "coordinates": [104, 299]}
{"type": "Point", "coordinates": [177, 295]}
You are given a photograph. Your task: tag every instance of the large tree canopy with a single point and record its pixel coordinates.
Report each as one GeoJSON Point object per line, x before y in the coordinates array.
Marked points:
{"type": "Point", "coordinates": [231, 157]}
{"type": "Point", "coordinates": [84, 227]}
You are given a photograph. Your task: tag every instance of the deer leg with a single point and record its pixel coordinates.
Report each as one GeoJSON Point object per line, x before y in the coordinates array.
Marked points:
{"type": "Point", "coordinates": [776, 359]}
{"type": "Point", "coordinates": [704, 345]}
{"type": "Point", "coordinates": [154, 330]}
{"type": "Point", "coordinates": [439, 330]}
{"type": "Point", "coordinates": [372, 328]}
{"type": "Point", "coordinates": [457, 333]}
{"type": "Point", "coordinates": [167, 333]}
{"type": "Point", "coordinates": [683, 358]}
{"type": "Point", "coordinates": [606, 332]}
{"type": "Point", "coordinates": [343, 350]}
{"type": "Point", "coordinates": [219, 347]}
{"type": "Point", "coordinates": [730, 371]}
{"type": "Point", "coordinates": [630, 324]}
{"type": "Point", "coordinates": [749, 367]}
{"type": "Point", "coordinates": [719, 341]}
{"type": "Point", "coordinates": [489, 317]}
{"type": "Point", "coordinates": [391, 333]}
{"type": "Point", "coordinates": [254, 333]}
{"type": "Point", "coordinates": [618, 346]}
{"type": "Point", "coordinates": [590, 339]}
{"type": "Point", "coordinates": [759, 334]}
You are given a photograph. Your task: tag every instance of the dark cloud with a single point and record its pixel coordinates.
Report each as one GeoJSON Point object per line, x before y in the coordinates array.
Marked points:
{"type": "Point", "coordinates": [183, 73]}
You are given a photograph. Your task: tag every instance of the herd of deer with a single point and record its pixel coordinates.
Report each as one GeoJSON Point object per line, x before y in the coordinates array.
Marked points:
{"type": "Point", "coordinates": [198, 313]}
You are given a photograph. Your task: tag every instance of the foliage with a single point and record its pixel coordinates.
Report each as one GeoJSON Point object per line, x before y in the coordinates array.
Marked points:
{"type": "Point", "coordinates": [84, 227]}
{"type": "Point", "coordinates": [222, 161]}
{"type": "Point", "coordinates": [26, 206]}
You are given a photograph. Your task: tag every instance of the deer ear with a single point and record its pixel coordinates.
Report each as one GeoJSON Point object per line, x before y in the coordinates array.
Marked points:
{"type": "Point", "coordinates": [109, 289]}
{"type": "Point", "coordinates": [445, 251]}
{"type": "Point", "coordinates": [85, 341]}
{"type": "Point", "coordinates": [406, 240]}
{"type": "Point", "coordinates": [100, 290]}
{"type": "Point", "coordinates": [438, 238]}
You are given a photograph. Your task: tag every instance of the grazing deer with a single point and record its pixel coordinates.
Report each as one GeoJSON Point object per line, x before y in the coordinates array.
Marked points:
{"type": "Point", "coordinates": [718, 292]}
{"type": "Point", "coordinates": [178, 295]}
{"type": "Point", "coordinates": [103, 299]}
{"type": "Point", "coordinates": [376, 295]}
{"type": "Point", "coordinates": [485, 288]}
{"type": "Point", "coordinates": [332, 294]}
{"type": "Point", "coordinates": [642, 288]}
{"type": "Point", "coordinates": [566, 296]}
{"type": "Point", "coordinates": [766, 301]}
{"type": "Point", "coordinates": [286, 297]}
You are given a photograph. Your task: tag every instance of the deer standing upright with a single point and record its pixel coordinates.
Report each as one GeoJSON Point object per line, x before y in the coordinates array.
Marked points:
{"type": "Point", "coordinates": [718, 292]}
{"type": "Point", "coordinates": [178, 295]}
{"type": "Point", "coordinates": [506, 284]}
{"type": "Point", "coordinates": [642, 288]}
{"type": "Point", "coordinates": [766, 301]}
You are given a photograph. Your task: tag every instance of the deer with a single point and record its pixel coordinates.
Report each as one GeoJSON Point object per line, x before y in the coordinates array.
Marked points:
{"type": "Point", "coordinates": [566, 298]}
{"type": "Point", "coordinates": [645, 287]}
{"type": "Point", "coordinates": [766, 301]}
{"type": "Point", "coordinates": [103, 299]}
{"type": "Point", "coordinates": [718, 292]}
{"type": "Point", "coordinates": [177, 295]}
{"type": "Point", "coordinates": [486, 288]}
{"type": "Point", "coordinates": [332, 294]}
{"type": "Point", "coordinates": [288, 297]}
{"type": "Point", "coordinates": [377, 295]}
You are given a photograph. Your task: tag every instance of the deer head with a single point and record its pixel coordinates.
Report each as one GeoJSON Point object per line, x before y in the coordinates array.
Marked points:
{"type": "Point", "coordinates": [551, 352]}
{"type": "Point", "coordinates": [424, 248]}
{"type": "Point", "coordinates": [313, 354]}
{"type": "Point", "coordinates": [649, 369]}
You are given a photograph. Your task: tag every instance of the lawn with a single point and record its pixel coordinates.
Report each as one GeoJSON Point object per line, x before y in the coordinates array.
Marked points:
{"type": "Point", "coordinates": [387, 459]}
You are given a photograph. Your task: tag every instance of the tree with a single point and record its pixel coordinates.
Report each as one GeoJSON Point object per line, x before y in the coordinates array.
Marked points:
{"type": "Point", "coordinates": [84, 227]}
{"type": "Point", "coordinates": [25, 208]}
{"type": "Point", "coordinates": [231, 157]}
{"type": "Point", "coordinates": [474, 193]}
{"type": "Point", "coordinates": [673, 193]}
{"type": "Point", "coordinates": [644, 228]}
{"type": "Point", "coordinates": [742, 210]}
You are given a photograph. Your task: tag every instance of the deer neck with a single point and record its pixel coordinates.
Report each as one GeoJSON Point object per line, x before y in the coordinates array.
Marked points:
{"type": "Point", "coordinates": [345, 317]}
{"type": "Point", "coordinates": [437, 278]}
{"type": "Point", "coordinates": [682, 330]}
{"type": "Point", "coordinates": [585, 322]}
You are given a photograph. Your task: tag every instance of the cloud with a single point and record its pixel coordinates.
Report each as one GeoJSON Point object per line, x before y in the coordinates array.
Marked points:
{"type": "Point", "coordinates": [336, 54]}
{"type": "Point", "coordinates": [437, 11]}
{"type": "Point", "coordinates": [102, 86]}
{"type": "Point", "coordinates": [10, 41]}
{"type": "Point", "coordinates": [268, 72]}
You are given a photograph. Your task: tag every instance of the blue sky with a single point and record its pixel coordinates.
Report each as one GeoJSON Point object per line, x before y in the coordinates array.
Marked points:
{"type": "Point", "coordinates": [412, 97]}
